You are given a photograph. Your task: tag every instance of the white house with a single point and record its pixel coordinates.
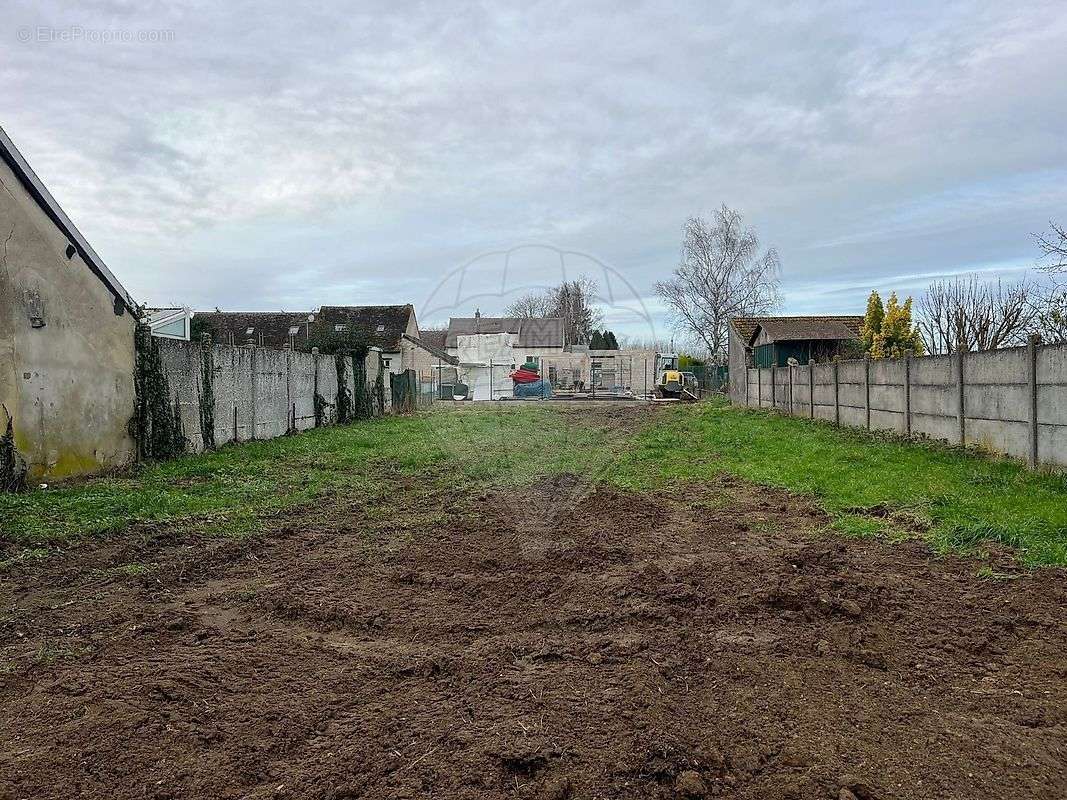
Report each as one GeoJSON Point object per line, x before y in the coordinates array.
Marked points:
{"type": "Point", "coordinates": [532, 339]}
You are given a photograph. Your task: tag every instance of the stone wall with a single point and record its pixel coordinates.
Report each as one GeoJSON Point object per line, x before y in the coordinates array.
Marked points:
{"type": "Point", "coordinates": [1011, 401]}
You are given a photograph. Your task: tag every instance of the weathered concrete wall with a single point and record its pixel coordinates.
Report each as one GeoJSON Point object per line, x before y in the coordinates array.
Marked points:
{"type": "Point", "coordinates": [267, 393]}
{"type": "Point", "coordinates": [737, 362]}
{"type": "Point", "coordinates": [1011, 401]}
{"type": "Point", "coordinates": [68, 384]}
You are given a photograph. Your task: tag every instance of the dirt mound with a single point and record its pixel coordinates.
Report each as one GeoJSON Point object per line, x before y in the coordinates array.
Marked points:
{"type": "Point", "coordinates": [711, 642]}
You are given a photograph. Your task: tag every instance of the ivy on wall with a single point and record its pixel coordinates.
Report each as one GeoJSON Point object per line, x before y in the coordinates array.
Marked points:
{"type": "Point", "coordinates": [156, 425]}
{"type": "Point", "coordinates": [344, 396]}
{"type": "Point", "coordinates": [12, 464]}
{"type": "Point", "coordinates": [405, 392]}
{"type": "Point", "coordinates": [363, 403]}
{"type": "Point", "coordinates": [207, 394]}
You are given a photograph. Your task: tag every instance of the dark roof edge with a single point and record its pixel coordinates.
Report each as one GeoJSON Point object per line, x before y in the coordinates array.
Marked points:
{"type": "Point", "coordinates": [24, 172]}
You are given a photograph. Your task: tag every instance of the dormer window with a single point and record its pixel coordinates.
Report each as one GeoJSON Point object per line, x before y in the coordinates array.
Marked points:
{"type": "Point", "coordinates": [381, 328]}
{"type": "Point", "coordinates": [340, 328]}
{"type": "Point", "coordinates": [249, 331]}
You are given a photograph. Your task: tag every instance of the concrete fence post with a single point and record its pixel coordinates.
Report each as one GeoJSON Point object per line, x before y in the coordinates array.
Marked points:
{"type": "Point", "coordinates": [837, 390]}
{"type": "Point", "coordinates": [252, 350]}
{"type": "Point", "coordinates": [235, 387]}
{"type": "Point", "coordinates": [867, 389]}
{"type": "Point", "coordinates": [811, 388]}
{"type": "Point", "coordinates": [774, 386]}
{"type": "Point", "coordinates": [748, 401]}
{"type": "Point", "coordinates": [1031, 366]}
{"type": "Point", "coordinates": [315, 384]}
{"type": "Point", "coordinates": [961, 411]}
{"type": "Point", "coordinates": [289, 390]}
{"type": "Point", "coordinates": [759, 388]}
{"type": "Point", "coordinates": [790, 390]}
{"type": "Point", "coordinates": [907, 392]}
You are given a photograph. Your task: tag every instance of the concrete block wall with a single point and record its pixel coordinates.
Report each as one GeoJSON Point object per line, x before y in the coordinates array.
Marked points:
{"type": "Point", "coordinates": [259, 393]}
{"type": "Point", "coordinates": [1011, 401]}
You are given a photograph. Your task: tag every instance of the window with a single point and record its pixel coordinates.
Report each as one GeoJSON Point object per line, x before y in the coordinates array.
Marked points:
{"type": "Point", "coordinates": [340, 328]}
{"type": "Point", "coordinates": [385, 363]}
{"type": "Point", "coordinates": [381, 328]}
{"type": "Point", "coordinates": [249, 331]}
{"type": "Point", "coordinates": [294, 330]}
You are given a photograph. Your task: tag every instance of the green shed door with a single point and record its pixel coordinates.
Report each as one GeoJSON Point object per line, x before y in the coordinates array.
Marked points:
{"type": "Point", "coordinates": [764, 355]}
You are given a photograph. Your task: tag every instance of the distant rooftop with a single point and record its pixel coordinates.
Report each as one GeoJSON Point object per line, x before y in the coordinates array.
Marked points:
{"type": "Point", "coordinates": [531, 332]}
{"type": "Point", "coordinates": [791, 329]}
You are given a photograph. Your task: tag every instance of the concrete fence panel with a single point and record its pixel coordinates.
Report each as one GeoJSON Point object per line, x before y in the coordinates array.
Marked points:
{"type": "Point", "coordinates": [764, 377]}
{"type": "Point", "coordinates": [272, 408]}
{"type": "Point", "coordinates": [182, 367]}
{"type": "Point", "coordinates": [801, 391]}
{"type": "Point", "coordinates": [824, 392]}
{"type": "Point", "coordinates": [253, 392]}
{"type": "Point", "coordinates": [302, 390]}
{"type": "Point", "coordinates": [1011, 401]}
{"type": "Point", "coordinates": [244, 392]}
{"type": "Point", "coordinates": [852, 393]}
{"type": "Point", "coordinates": [933, 393]}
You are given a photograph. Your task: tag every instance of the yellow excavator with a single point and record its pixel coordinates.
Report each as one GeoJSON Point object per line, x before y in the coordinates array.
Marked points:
{"type": "Point", "coordinates": [671, 382]}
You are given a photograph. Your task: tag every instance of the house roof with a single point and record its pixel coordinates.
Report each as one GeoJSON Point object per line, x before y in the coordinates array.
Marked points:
{"type": "Point", "coordinates": [532, 332]}
{"type": "Point", "coordinates": [381, 326]}
{"type": "Point", "coordinates": [24, 172]}
{"type": "Point", "coordinates": [789, 329]}
{"type": "Point", "coordinates": [269, 327]}
{"type": "Point", "coordinates": [433, 350]}
{"type": "Point", "coordinates": [433, 337]}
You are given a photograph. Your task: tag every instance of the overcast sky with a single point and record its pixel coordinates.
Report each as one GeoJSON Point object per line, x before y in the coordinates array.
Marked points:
{"type": "Point", "coordinates": [265, 155]}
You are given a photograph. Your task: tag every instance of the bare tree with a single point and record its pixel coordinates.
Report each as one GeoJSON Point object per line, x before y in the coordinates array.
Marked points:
{"type": "Point", "coordinates": [1053, 248]}
{"type": "Point", "coordinates": [722, 274]}
{"type": "Point", "coordinates": [630, 342]}
{"type": "Point", "coordinates": [573, 301]}
{"type": "Point", "coordinates": [532, 304]}
{"type": "Point", "coordinates": [977, 315]}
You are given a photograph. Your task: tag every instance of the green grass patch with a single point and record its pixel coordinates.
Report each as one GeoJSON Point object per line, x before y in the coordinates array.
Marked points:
{"type": "Point", "coordinates": [228, 491]}
{"type": "Point", "coordinates": [959, 499]}
{"type": "Point", "coordinates": [868, 484]}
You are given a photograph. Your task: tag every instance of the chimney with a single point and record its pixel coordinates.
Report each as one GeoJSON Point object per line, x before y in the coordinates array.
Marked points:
{"type": "Point", "coordinates": [477, 313]}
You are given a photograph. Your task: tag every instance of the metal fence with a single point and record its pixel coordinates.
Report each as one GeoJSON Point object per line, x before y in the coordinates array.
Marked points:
{"type": "Point", "coordinates": [617, 377]}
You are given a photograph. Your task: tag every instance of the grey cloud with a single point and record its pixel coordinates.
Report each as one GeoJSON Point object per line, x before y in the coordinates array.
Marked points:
{"type": "Point", "coordinates": [267, 157]}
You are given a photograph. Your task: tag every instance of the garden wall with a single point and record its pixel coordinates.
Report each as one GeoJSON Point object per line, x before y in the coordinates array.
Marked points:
{"type": "Point", "coordinates": [234, 394]}
{"type": "Point", "coordinates": [1011, 401]}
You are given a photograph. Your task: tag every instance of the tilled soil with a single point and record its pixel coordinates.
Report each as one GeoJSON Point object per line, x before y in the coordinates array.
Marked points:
{"type": "Point", "coordinates": [564, 640]}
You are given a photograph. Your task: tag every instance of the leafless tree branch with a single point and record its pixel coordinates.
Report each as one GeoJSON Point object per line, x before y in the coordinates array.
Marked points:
{"type": "Point", "coordinates": [721, 275]}
{"type": "Point", "coordinates": [1053, 246]}
{"type": "Point", "coordinates": [969, 313]}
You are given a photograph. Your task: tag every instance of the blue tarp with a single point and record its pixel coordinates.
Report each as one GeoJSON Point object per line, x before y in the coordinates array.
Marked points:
{"type": "Point", "coordinates": [541, 388]}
